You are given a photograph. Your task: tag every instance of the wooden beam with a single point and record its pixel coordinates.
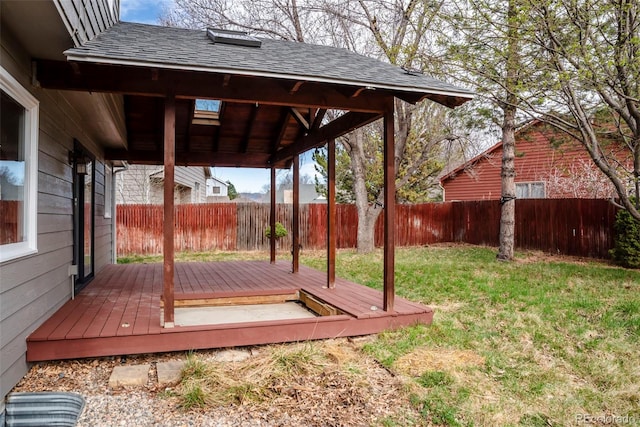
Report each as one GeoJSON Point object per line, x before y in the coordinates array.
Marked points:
{"type": "Point", "coordinates": [317, 120]}
{"type": "Point", "coordinates": [168, 226]}
{"type": "Point", "coordinates": [411, 98]}
{"type": "Point", "coordinates": [331, 214]}
{"type": "Point", "coordinates": [200, 84]}
{"type": "Point", "coordinates": [357, 92]}
{"type": "Point", "coordinates": [338, 127]}
{"type": "Point", "coordinates": [300, 118]}
{"type": "Point", "coordinates": [296, 87]}
{"type": "Point", "coordinates": [389, 208]}
{"type": "Point", "coordinates": [215, 136]}
{"type": "Point", "coordinates": [296, 216]}
{"type": "Point", "coordinates": [187, 131]}
{"type": "Point", "coordinates": [194, 158]}
{"type": "Point", "coordinates": [237, 300]}
{"type": "Point", "coordinates": [244, 146]}
{"type": "Point", "coordinates": [272, 218]}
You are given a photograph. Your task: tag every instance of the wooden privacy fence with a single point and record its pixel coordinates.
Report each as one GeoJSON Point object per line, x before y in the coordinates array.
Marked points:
{"type": "Point", "coordinates": [9, 220]}
{"type": "Point", "coordinates": [581, 227]}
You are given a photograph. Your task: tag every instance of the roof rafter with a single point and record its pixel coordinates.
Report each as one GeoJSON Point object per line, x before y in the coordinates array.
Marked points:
{"type": "Point", "coordinates": [336, 128]}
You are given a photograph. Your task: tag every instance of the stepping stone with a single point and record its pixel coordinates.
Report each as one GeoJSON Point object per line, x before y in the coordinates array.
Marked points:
{"type": "Point", "coordinates": [232, 355]}
{"type": "Point", "coordinates": [129, 375]}
{"type": "Point", "coordinates": [169, 372]}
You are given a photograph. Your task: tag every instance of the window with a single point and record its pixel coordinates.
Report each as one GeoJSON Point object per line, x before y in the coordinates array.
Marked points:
{"type": "Point", "coordinates": [215, 190]}
{"type": "Point", "coordinates": [18, 169]}
{"type": "Point", "coordinates": [530, 190]}
{"type": "Point", "coordinates": [108, 191]}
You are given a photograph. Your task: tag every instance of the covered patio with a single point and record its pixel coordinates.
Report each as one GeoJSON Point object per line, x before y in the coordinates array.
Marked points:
{"type": "Point", "coordinates": [223, 98]}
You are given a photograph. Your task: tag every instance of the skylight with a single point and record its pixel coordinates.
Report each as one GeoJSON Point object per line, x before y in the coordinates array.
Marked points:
{"type": "Point", "coordinates": [207, 112]}
{"type": "Point", "coordinates": [238, 38]}
{"type": "Point", "coordinates": [208, 105]}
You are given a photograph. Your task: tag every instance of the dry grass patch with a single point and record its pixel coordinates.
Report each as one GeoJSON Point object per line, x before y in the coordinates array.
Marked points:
{"type": "Point", "coordinates": [422, 360]}
{"type": "Point", "coordinates": [319, 383]}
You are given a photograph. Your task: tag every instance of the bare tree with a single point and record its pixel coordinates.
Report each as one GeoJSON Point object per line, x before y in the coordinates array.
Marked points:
{"type": "Point", "coordinates": [591, 71]}
{"type": "Point", "coordinates": [397, 31]}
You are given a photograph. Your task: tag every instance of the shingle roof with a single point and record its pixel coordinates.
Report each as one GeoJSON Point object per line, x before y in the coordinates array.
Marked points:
{"type": "Point", "coordinates": [177, 48]}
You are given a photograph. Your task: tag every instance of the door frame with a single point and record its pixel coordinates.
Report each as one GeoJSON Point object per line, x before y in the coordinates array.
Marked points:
{"type": "Point", "coordinates": [84, 274]}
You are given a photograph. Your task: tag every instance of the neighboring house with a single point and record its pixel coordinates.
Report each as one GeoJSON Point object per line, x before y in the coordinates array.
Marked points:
{"type": "Point", "coordinates": [308, 194]}
{"type": "Point", "coordinates": [144, 184]}
{"type": "Point", "coordinates": [52, 153]}
{"type": "Point", "coordinates": [217, 188]}
{"type": "Point", "coordinates": [548, 165]}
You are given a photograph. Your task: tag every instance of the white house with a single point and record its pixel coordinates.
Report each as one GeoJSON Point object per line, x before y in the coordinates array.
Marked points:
{"type": "Point", "coordinates": [217, 188]}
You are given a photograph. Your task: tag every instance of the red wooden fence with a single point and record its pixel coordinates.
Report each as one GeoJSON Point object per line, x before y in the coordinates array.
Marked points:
{"type": "Point", "coordinates": [581, 227]}
{"type": "Point", "coordinates": [9, 220]}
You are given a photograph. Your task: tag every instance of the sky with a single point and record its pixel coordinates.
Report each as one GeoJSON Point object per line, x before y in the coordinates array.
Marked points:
{"type": "Point", "coordinates": [243, 179]}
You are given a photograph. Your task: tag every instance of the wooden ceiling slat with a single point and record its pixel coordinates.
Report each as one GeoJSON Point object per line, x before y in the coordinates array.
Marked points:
{"type": "Point", "coordinates": [249, 129]}
{"type": "Point", "coordinates": [284, 123]}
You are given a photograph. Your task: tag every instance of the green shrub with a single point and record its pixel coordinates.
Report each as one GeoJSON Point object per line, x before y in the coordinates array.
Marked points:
{"type": "Point", "coordinates": [280, 231]}
{"type": "Point", "coordinates": [626, 251]}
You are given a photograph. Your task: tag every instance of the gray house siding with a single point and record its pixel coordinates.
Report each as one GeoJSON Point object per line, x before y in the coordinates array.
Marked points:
{"type": "Point", "coordinates": [33, 287]}
{"type": "Point", "coordinates": [143, 184]}
{"type": "Point", "coordinates": [85, 19]}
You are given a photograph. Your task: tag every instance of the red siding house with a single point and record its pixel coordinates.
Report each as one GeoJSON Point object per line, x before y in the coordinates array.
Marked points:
{"type": "Point", "coordinates": [547, 164]}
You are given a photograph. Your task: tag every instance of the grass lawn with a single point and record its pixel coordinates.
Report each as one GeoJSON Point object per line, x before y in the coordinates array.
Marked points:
{"type": "Point", "coordinates": [537, 342]}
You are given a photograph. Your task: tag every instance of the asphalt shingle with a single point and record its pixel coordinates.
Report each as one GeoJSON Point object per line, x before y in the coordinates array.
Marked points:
{"type": "Point", "coordinates": [192, 49]}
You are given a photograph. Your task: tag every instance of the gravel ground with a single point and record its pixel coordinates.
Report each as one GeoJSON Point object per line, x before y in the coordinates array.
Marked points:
{"type": "Point", "coordinates": [334, 403]}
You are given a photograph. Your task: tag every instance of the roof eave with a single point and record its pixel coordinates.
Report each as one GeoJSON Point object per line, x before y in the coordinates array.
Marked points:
{"type": "Point", "coordinates": [458, 97]}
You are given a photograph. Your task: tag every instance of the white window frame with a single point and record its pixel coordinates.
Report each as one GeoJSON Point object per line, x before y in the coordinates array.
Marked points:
{"type": "Point", "coordinates": [529, 184]}
{"type": "Point", "coordinates": [31, 116]}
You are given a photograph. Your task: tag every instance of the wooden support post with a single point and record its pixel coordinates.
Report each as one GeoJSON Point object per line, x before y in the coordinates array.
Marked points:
{"type": "Point", "coordinates": [389, 207]}
{"type": "Point", "coordinates": [296, 215]}
{"type": "Point", "coordinates": [168, 226]}
{"type": "Point", "coordinates": [331, 214]}
{"type": "Point", "coordinates": [272, 217]}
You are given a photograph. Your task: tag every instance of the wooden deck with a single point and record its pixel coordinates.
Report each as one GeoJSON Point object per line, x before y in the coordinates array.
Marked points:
{"type": "Point", "coordinates": [119, 312]}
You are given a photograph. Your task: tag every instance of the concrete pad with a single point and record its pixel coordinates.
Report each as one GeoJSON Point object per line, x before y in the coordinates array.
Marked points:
{"type": "Point", "coordinates": [169, 372]}
{"type": "Point", "coordinates": [195, 316]}
{"type": "Point", "coordinates": [129, 375]}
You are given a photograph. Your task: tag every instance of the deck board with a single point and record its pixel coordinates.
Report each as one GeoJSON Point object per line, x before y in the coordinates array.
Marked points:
{"type": "Point", "coordinates": [91, 325]}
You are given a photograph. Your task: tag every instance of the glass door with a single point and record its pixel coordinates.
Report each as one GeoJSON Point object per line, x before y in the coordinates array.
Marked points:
{"type": "Point", "coordinates": [84, 208]}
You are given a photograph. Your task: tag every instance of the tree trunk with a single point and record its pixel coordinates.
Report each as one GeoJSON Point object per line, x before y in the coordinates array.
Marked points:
{"type": "Point", "coordinates": [367, 218]}
{"type": "Point", "coordinates": [508, 195]}
{"type": "Point", "coordinates": [367, 213]}
{"type": "Point", "coordinates": [508, 172]}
